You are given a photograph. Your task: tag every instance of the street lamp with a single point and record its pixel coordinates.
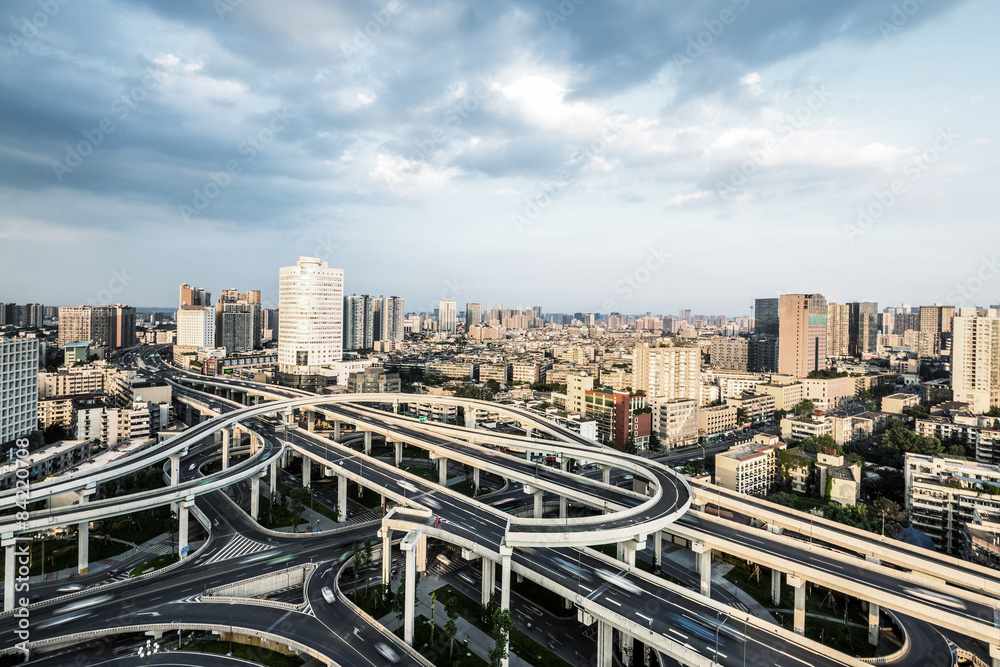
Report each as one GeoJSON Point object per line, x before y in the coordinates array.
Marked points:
{"type": "Point", "coordinates": [718, 626]}
{"type": "Point", "coordinates": [149, 650]}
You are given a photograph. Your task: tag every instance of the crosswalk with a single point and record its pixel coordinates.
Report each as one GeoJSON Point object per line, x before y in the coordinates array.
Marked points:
{"type": "Point", "coordinates": [238, 546]}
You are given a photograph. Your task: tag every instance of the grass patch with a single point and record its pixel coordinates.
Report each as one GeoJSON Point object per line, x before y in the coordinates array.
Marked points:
{"type": "Point", "coordinates": [154, 564]}
{"type": "Point", "coordinates": [256, 654]}
{"type": "Point", "coordinates": [442, 647]}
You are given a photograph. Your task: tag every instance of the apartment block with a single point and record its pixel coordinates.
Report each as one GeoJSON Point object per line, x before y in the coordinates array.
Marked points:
{"type": "Point", "coordinates": [716, 419]}
{"type": "Point", "coordinates": [373, 380]}
{"type": "Point", "coordinates": [828, 393]}
{"type": "Point", "coordinates": [758, 407]}
{"type": "Point", "coordinates": [729, 354]}
{"type": "Point", "coordinates": [751, 468]}
{"type": "Point", "coordinates": [802, 320]}
{"type": "Point", "coordinates": [667, 372]}
{"type": "Point", "coordinates": [18, 388]}
{"type": "Point", "coordinates": [896, 403]}
{"type": "Point", "coordinates": [71, 382]}
{"type": "Point", "coordinates": [786, 396]}
{"type": "Point", "coordinates": [675, 421]}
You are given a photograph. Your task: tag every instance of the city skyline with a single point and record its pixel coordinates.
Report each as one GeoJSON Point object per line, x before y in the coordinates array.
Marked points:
{"type": "Point", "coordinates": [547, 147]}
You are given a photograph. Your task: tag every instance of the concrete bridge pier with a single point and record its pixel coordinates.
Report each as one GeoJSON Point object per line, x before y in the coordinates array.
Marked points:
{"type": "Point", "coordinates": [307, 472]}
{"type": "Point", "coordinates": [489, 583]}
{"type": "Point", "coordinates": [175, 469]}
{"type": "Point", "coordinates": [703, 565]}
{"type": "Point", "coordinates": [627, 649]}
{"type": "Point", "coordinates": [398, 447]}
{"type": "Point", "coordinates": [475, 478]}
{"type": "Point", "coordinates": [443, 471]}
{"type": "Point", "coordinates": [10, 569]}
{"type": "Point", "coordinates": [341, 498]}
{"type": "Point", "coordinates": [539, 506]}
{"type": "Point", "coordinates": [368, 443]}
{"type": "Point", "coordinates": [225, 448]}
{"type": "Point", "coordinates": [606, 474]}
{"type": "Point", "coordinates": [409, 546]}
{"type": "Point", "coordinates": [626, 551]}
{"type": "Point", "coordinates": [182, 528]}
{"type": "Point", "coordinates": [505, 554]}
{"type": "Point", "coordinates": [311, 420]}
{"type": "Point", "coordinates": [799, 584]}
{"type": "Point", "coordinates": [336, 429]}
{"type": "Point", "coordinates": [994, 654]}
{"type": "Point", "coordinates": [386, 534]}
{"type": "Point", "coordinates": [255, 496]}
{"type": "Point", "coordinates": [470, 417]}
{"type": "Point", "coordinates": [273, 481]}
{"type": "Point", "coordinates": [657, 551]}
{"type": "Point", "coordinates": [605, 644]}
{"type": "Point", "coordinates": [563, 507]}
{"type": "Point", "coordinates": [776, 586]}
{"type": "Point", "coordinates": [83, 547]}
{"type": "Point", "coordinates": [873, 615]}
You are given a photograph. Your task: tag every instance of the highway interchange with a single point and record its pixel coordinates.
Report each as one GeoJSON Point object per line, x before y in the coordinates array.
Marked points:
{"type": "Point", "coordinates": [343, 637]}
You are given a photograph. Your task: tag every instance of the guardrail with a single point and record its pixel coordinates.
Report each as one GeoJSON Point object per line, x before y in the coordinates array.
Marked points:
{"type": "Point", "coordinates": [893, 657]}
{"type": "Point", "coordinates": [306, 568]}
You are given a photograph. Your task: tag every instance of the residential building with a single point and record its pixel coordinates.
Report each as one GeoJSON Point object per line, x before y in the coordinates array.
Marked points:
{"type": "Point", "coordinates": [498, 372]}
{"type": "Point", "coordinates": [359, 322]}
{"type": "Point", "coordinates": [310, 336]}
{"type": "Point", "coordinates": [18, 388]}
{"type": "Point", "coordinates": [667, 372]}
{"type": "Point", "coordinates": [935, 329]}
{"type": "Point", "coordinates": [108, 327]}
{"type": "Point", "coordinates": [239, 321]}
{"type": "Point", "coordinates": [453, 371]}
{"type": "Point", "coordinates": [71, 382]}
{"type": "Point", "coordinates": [473, 314]}
{"type": "Point", "coordinates": [829, 393]}
{"type": "Point", "coordinates": [863, 328]}
{"type": "Point", "coordinates": [838, 329]}
{"type": "Point", "coordinates": [975, 366]}
{"type": "Point", "coordinates": [766, 317]}
{"type": "Point", "coordinates": [762, 354]}
{"type": "Point", "coordinates": [751, 468]}
{"type": "Point", "coordinates": [806, 426]}
{"type": "Point", "coordinates": [46, 462]}
{"type": "Point", "coordinates": [195, 327]}
{"type": "Point", "coordinates": [758, 407]}
{"type": "Point", "coordinates": [786, 396]}
{"type": "Point", "coordinates": [943, 494]}
{"type": "Point", "coordinates": [622, 418]}
{"type": "Point", "coordinates": [374, 380]}
{"type": "Point", "coordinates": [447, 317]}
{"type": "Point", "coordinates": [524, 372]}
{"type": "Point", "coordinates": [802, 334]}
{"type": "Point", "coordinates": [577, 386]}
{"type": "Point", "coordinates": [675, 421]}
{"type": "Point", "coordinates": [716, 419]}
{"type": "Point", "coordinates": [387, 318]}
{"type": "Point", "coordinates": [87, 416]}
{"type": "Point", "coordinates": [896, 403]}
{"type": "Point", "coordinates": [729, 354]}
{"type": "Point", "coordinates": [194, 296]}
{"type": "Point", "coordinates": [76, 353]}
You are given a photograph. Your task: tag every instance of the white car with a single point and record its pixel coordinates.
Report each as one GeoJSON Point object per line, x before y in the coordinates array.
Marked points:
{"type": "Point", "coordinates": [387, 652]}
{"type": "Point", "coordinates": [328, 595]}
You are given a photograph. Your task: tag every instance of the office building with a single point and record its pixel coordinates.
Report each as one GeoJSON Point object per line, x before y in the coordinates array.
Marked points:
{"type": "Point", "coordinates": [975, 366]}
{"type": "Point", "coordinates": [18, 388]}
{"type": "Point", "coordinates": [621, 417]}
{"type": "Point", "coordinates": [667, 372]}
{"type": "Point", "coordinates": [762, 354]}
{"type": "Point", "coordinates": [863, 328]}
{"type": "Point", "coordinates": [358, 322]}
{"type": "Point", "coordinates": [474, 314]}
{"type": "Point", "coordinates": [373, 380]}
{"type": "Point", "coordinates": [729, 354]}
{"type": "Point", "coordinates": [802, 322]}
{"type": "Point", "coordinates": [195, 327]}
{"type": "Point", "coordinates": [766, 317]}
{"type": "Point", "coordinates": [311, 302]}
{"type": "Point", "coordinates": [270, 316]}
{"type": "Point", "coordinates": [838, 330]}
{"type": "Point", "coordinates": [935, 330]}
{"type": "Point", "coordinates": [124, 327]}
{"type": "Point", "coordinates": [446, 317]}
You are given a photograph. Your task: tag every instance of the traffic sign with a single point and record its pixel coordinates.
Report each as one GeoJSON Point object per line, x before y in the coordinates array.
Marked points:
{"type": "Point", "coordinates": [423, 418]}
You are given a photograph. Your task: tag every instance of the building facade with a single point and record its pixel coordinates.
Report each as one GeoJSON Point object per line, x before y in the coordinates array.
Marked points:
{"type": "Point", "coordinates": [975, 366]}
{"type": "Point", "coordinates": [311, 303]}
{"type": "Point", "coordinates": [18, 388]}
{"type": "Point", "coordinates": [802, 334]}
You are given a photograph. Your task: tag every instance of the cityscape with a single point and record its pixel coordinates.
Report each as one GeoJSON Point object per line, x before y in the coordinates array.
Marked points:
{"type": "Point", "coordinates": [550, 334]}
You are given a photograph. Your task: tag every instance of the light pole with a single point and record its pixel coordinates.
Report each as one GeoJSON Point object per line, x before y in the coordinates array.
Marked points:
{"type": "Point", "coordinates": [148, 650]}
{"type": "Point", "coordinates": [718, 626]}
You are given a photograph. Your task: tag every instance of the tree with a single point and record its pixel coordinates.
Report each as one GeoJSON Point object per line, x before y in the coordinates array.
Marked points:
{"type": "Point", "coordinates": [820, 443]}
{"type": "Point", "coordinates": [741, 416]}
{"type": "Point", "coordinates": [450, 629]}
{"type": "Point", "coordinates": [654, 442]}
{"type": "Point", "coordinates": [433, 610]}
{"type": "Point", "coordinates": [917, 412]}
{"type": "Point", "coordinates": [994, 411]}
{"type": "Point", "coordinates": [299, 496]}
{"type": "Point", "coordinates": [501, 625]}
{"type": "Point", "coordinates": [780, 414]}
{"type": "Point", "coordinates": [804, 407]}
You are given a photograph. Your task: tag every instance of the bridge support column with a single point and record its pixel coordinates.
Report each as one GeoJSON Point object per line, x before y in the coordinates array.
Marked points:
{"type": "Point", "coordinates": [605, 643]}
{"type": "Point", "coordinates": [799, 584]}
{"type": "Point", "coordinates": [489, 574]}
{"type": "Point", "coordinates": [470, 417]}
{"type": "Point", "coordinates": [606, 474]}
{"type": "Point", "coordinates": [703, 564]}
{"type": "Point", "coordinates": [182, 528]}
{"type": "Point", "coordinates": [386, 535]}
{"type": "Point", "coordinates": [336, 430]}
{"type": "Point", "coordinates": [647, 655]}
{"type": "Point", "coordinates": [409, 547]}
{"type": "Point", "coordinates": [873, 615]}
{"type": "Point", "coordinates": [443, 471]}
{"type": "Point", "coordinates": [539, 508]}
{"type": "Point", "coordinates": [10, 569]}
{"type": "Point", "coordinates": [657, 551]}
{"type": "Point", "coordinates": [563, 507]}
{"type": "Point", "coordinates": [505, 554]}
{"type": "Point", "coordinates": [341, 498]}
{"type": "Point", "coordinates": [273, 483]}
{"type": "Point", "coordinates": [225, 448]}
{"type": "Point", "coordinates": [254, 496]}
{"type": "Point", "coordinates": [83, 541]}
{"type": "Point", "coordinates": [368, 442]}
{"type": "Point", "coordinates": [307, 472]}
{"type": "Point", "coordinates": [628, 646]}
{"type": "Point", "coordinates": [776, 586]}
{"type": "Point", "coordinates": [398, 446]}
{"type": "Point", "coordinates": [310, 421]}
{"type": "Point", "coordinates": [175, 469]}
{"type": "Point", "coordinates": [475, 479]}
{"type": "Point", "coordinates": [994, 655]}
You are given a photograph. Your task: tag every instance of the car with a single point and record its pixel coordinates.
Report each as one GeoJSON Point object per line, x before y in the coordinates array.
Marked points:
{"type": "Point", "coordinates": [408, 486]}
{"type": "Point", "coordinates": [467, 578]}
{"type": "Point", "coordinates": [387, 652]}
{"type": "Point", "coordinates": [72, 588]}
{"type": "Point", "coordinates": [328, 595]}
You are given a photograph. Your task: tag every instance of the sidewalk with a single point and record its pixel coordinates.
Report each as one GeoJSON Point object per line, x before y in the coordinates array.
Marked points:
{"type": "Point", "coordinates": [157, 546]}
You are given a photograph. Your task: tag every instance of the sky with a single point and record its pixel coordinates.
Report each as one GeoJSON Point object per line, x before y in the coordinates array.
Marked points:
{"type": "Point", "coordinates": [575, 155]}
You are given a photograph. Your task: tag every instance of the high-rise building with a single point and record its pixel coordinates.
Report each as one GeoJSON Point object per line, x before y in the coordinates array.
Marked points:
{"type": "Point", "coordinates": [935, 329]}
{"type": "Point", "coordinates": [729, 353]}
{"type": "Point", "coordinates": [194, 296]}
{"type": "Point", "coordinates": [975, 365]}
{"type": "Point", "coordinates": [668, 372]}
{"type": "Point", "coordinates": [474, 314]}
{"type": "Point", "coordinates": [97, 324]}
{"type": "Point", "coordinates": [239, 321]}
{"type": "Point", "coordinates": [762, 354]}
{"type": "Point", "coordinates": [311, 302]}
{"type": "Point", "coordinates": [18, 387]}
{"type": "Point", "coordinates": [801, 334]}
{"type": "Point", "coordinates": [838, 329]}
{"type": "Point", "coordinates": [447, 317]}
{"type": "Point", "coordinates": [358, 322]}
{"type": "Point", "coordinates": [195, 326]}
{"type": "Point", "coordinates": [765, 315]}
{"type": "Point", "coordinates": [387, 318]}
{"type": "Point", "coordinates": [685, 315]}
{"type": "Point", "coordinates": [863, 328]}
{"type": "Point", "coordinates": [270, 317]}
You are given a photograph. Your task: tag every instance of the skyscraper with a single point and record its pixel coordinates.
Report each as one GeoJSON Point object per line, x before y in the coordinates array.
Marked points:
{"type": "Point", "coordinates": [935, 329]}
{"type": "Point", "coordinates": [765, 315]}
{"type": "Point", "coordinates": [801, 334]}
{"type": "Point", "coordinates": [387, 318]}
{"type": "Point", "coordinates": [669, 372]}
{"type": "Point", "coordinates": [863, 328]}
{"type": "Point", "coordinates": [239, 321]}
{"type": "Point", "coordinates": [474, 314]}
{"type": "Point", "coordinates": [838, 329]}
{"type": "Point", "coordinates": [195, 326]}
{"type": "Point", "coordinates": [109, 327]}
{"type": "Point", "coordinates": [447, 317]}
{"type": "Point", "coordinates": [311, 303]}
{"type": "Point", "coordinates": [19, 387]}
{"type": "Point", "coordinates": [194, 296]}
{"type": "Point", "coordinates": [975, 366]}
{"type": "Point", "coordinates": [358, 322]}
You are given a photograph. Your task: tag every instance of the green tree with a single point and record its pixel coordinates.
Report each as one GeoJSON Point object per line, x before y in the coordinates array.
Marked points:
{"type": "Point", "coordinates": [433, 610]}
{"type": "Point", "coordinates": [654, 442]}
{"type": "Point", "coordinates": [450, 629]}
{"type": "Point", "coordinates": [804, 407]}
{"type": "Point", "coordinates": [298, 496]}
{"type": "Point", "coordinates": [820, 443]}
{"type": "Point", "coordinates": [741, 416]}
{"type": "Point", "coordinates": [780, 414]}
{"type": "Point", "coordinates": [501, 625]}
{"type": "Point", "coordinates": [917, 412]}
